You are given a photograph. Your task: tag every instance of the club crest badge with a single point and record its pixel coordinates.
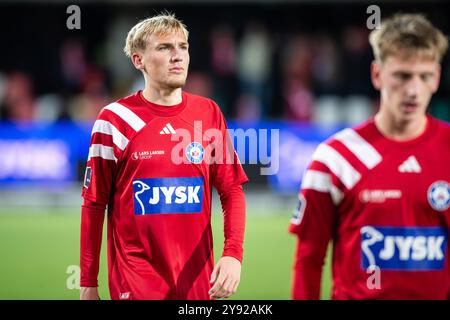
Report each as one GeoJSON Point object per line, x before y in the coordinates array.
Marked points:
{"type": "Point", "coordinates": [195, 152]}
{"type": "Point", "coordinates": [439, 195]}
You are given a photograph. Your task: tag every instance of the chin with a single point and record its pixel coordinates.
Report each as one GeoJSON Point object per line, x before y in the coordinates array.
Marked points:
{"type": "Point", "coordinates": [412, 116]}
{"type": "Point", "coordinates": [176, 84]}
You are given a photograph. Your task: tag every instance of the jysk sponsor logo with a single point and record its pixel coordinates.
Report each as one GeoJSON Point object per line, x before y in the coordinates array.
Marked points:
{"type": "Point", "coordinates": [168, 195]}
{"type": "Point", "coordinates": [408, 248]}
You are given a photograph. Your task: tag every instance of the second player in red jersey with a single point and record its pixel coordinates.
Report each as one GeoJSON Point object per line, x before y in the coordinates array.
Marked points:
{"type": "Point", "coordinates": [381, 191]}
{"type": "Point", "coordinates": [153, 161]}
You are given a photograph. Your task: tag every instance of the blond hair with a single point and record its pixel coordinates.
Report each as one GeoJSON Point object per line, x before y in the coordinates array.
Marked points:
{"type": "Point", "coordinates": [163, 23]}
{"type": "Point", "coordinates": [408, 34]}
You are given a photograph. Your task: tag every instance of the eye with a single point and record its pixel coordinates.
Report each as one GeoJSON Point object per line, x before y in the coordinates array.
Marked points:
{"type": "Point", "coordinates": [402, 76]}
{"type": "Point", "coordinates": [426, 77]}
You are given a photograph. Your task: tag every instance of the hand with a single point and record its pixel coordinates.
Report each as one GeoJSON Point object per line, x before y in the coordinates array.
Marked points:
{"type": "Point", "coordinates": [89, 293]}
{"type": "Point", "coordinates": [225, 278]}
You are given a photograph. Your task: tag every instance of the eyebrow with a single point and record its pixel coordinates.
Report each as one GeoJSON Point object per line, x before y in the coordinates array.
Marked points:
{"type": "Point", "coordinates": [171, 44]}
{"type": "Point", "coordinates": [411, 72]}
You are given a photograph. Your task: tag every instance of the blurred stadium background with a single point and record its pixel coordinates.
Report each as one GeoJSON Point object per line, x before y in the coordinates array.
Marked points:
{"type": "Point", "coordinates": [298, 66]}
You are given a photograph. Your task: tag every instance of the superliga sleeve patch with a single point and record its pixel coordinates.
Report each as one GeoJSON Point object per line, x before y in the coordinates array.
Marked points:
{"type": "Point", "coordinates": [87, 177]}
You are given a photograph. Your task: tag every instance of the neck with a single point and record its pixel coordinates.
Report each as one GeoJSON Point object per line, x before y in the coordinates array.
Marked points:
{"type": "Point", "coordinates": [164, 97]}
{"type": "Point", "coordinates": [400, 130]}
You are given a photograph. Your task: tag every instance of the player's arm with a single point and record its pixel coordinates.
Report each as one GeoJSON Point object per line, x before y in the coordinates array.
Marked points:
{"type": "Point", "coordinates": [99, 176]}
{"type": "Point", "coordinates": [92, 217]}
{"type": "Point", "coordinates": [228, 177]}
{"type": "Point", "coordinates": [225, 277]}
{"type": "Point", "coordinates": [313, 224]}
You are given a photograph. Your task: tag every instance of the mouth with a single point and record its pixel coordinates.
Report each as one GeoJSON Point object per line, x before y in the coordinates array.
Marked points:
{"type": "Point", "coordinates": [176, 70]}
{"type": "Point", "coordinates": [409, 107]}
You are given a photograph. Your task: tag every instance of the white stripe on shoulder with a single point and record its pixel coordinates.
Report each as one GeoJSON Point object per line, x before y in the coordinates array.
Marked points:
{"type": "Point", "coordinates": [104, 152]}
{"type": "Point", "coordinates": [320, 181]}
{"type": "Point", "coordinates": [363, 150]}
{"type": "Point", "coordinates": [337, 164]}
{"type": "Point", "coordinates": [127, 115]}
{"type": "Point", "coordinates": [107, 127]}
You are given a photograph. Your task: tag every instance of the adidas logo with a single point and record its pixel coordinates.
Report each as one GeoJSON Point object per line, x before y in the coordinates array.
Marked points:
{"type": "Point", "coordinates": [168, 129]}
{"type": "Point", "coordinates": [410, 165]}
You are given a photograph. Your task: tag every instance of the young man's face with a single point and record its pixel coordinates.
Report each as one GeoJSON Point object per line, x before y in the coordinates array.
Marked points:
{"type": "Point", "coordinates": [406, 85]}
{"type": "Point", "coordinates": [166, 60]}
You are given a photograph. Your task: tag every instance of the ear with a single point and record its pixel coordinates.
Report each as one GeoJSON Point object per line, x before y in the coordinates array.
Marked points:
{"type": "Point", "coordinates": [136, 58]}
{"type": "Point", "coordinates": [437, 79]}
{"type": "Point", "coordinates": [375, 69]}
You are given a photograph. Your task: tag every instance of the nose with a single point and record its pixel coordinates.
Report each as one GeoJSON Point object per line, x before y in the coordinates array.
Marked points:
{"type": "Point", "coordinates": [412, 87]}
{"type": "Point", "coordinates": [176, 55]}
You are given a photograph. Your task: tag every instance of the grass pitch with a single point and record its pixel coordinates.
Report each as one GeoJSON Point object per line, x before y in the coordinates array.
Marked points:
{"type": "Point", "coordinates": [37, 251]}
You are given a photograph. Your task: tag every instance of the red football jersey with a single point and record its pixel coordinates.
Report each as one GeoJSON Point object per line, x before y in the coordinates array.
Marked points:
{"type": "Point", "coordinates": [385, 205]}
{"type": "Point", "coordinates": [153, 167]}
